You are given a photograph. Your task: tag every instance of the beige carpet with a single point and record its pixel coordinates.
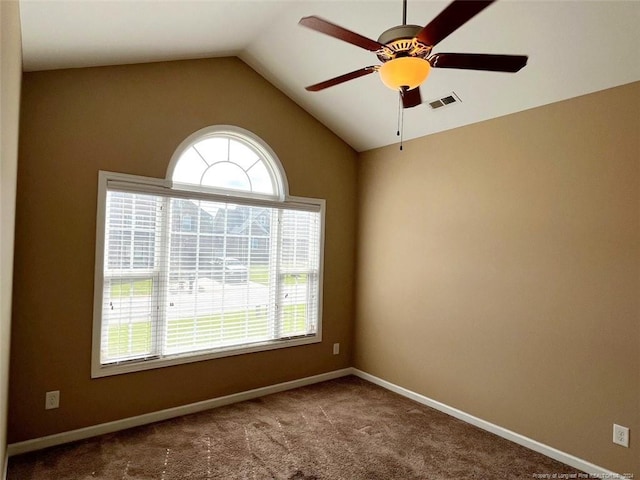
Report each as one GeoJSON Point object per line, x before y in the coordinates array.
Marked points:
{"type": "Point", "coordinates": [342, 429]}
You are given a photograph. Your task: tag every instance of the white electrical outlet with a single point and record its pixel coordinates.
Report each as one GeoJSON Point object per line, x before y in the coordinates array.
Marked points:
{"type": "Point", "coordinates": [52, 400]}
{"type": "Point", "coordinates": [336, 348]}
{"type": "Point", "coordinates": [621, 435]}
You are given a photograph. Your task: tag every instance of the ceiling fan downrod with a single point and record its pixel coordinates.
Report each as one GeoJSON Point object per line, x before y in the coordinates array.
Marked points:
{"type": "Point", "coordinates": [404, 12]}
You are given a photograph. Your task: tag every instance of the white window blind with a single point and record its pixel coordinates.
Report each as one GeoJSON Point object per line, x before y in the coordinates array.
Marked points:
{"type": "Point", "coordinates": [204, 275]}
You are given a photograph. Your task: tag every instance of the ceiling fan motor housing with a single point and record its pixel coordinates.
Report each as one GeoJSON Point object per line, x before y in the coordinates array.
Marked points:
{"type": "Point", "coordinates": [401, 41]}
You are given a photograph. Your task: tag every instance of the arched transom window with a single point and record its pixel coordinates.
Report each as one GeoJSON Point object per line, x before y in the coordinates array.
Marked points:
{"type": "Point", "coordinates": [228, 159]}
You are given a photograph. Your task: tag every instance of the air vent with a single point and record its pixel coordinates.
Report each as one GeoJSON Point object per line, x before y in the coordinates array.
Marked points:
{"type": "Point", "coordinates": [444, 101]}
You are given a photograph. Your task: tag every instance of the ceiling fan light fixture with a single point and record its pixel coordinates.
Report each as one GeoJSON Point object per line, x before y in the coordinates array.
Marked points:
{"type": "Point", "coordinates": [407, 72]}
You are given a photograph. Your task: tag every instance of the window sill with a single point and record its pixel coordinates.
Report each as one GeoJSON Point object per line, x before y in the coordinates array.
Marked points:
{"type": "Point", "coordinates": [98, 370]}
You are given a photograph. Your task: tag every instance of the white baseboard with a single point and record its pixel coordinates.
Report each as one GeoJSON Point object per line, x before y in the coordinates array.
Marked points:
{"type": "Point", "coordinates": [594, 470]}
{"type": "Point", "coordinates": [95, 430]}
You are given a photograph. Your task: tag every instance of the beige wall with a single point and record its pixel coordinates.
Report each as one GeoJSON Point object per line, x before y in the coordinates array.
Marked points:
{"type": "Point", "coordinates": [499, 271]}
{"type": "Point", "coordinates": [10, 77]}
{"type": "Point", "coordinates": [130, 119]}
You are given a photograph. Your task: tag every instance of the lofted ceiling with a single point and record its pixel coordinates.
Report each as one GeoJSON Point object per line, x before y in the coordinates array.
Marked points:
{"type": "Point", "coordinates": [574, 47]}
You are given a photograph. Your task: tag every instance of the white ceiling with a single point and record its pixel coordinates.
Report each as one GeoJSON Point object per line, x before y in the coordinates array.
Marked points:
{"type": "Point", "coordinates": [574, 47]}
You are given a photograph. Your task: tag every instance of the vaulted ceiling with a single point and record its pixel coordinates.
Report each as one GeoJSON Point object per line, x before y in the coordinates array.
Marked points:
{"type": "Point", "coordinates": [574, 48]}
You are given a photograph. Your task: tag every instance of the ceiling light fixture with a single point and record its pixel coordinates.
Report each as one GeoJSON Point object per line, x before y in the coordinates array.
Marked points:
{"type": "Point", "coordinates": [404, 73]}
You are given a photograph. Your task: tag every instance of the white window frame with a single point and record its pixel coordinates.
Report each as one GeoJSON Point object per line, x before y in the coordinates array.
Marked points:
{"type": "Point", "coordinates": [245, 136]}
{"type": "Point", "coordinates": [165, 187]}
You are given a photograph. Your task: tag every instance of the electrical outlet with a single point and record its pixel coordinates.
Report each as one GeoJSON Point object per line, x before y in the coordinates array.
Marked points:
{"type": "Point", "coordinates": [336, 348]}
{"type": "Point", "coordinates": [52, 400]}
{"type": "Point", "coordinates": [621, 435]}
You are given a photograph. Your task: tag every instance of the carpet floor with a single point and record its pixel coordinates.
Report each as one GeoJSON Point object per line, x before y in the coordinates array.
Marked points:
{"type": "Point", "coordinates": [344, 429]}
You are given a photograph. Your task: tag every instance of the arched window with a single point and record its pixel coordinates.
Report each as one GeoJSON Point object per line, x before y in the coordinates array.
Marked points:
{"type": "Point", "coordinates": [215, 260]}
{"type": "Point", "coordinates": [230, 160]}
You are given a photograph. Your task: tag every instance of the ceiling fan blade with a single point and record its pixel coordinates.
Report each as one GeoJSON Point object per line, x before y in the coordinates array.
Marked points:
{"type": "Point", "coordinates": [341, 79]}
{"type": "Point", "coordinates": [411, 98]}
{"type": "Point", "coordinates": [479, 61]}
{"type": "Point", "coordinates": [323, 26]}
{"type": "Point", "coordinates": [450, 19]}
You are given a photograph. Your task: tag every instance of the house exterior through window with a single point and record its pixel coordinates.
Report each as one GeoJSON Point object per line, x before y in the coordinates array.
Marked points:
{"type": "Point", "coordinates": [215, 260]}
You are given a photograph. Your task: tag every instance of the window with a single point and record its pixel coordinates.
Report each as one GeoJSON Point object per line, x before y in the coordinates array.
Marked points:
{"type": "Point", "coordinates": [215, 260]}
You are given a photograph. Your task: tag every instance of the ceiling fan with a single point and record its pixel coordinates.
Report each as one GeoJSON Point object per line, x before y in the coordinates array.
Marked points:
{"type": "Point", "coordinates": [406, 50]}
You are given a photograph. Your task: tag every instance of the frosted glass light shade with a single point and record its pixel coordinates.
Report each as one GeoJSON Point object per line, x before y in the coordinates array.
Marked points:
{"type": "Point", "coordinates": [407, 72]}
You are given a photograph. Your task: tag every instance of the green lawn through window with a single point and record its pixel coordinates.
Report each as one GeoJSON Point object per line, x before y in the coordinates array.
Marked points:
{"type": "Point", "coordinates": [205, 331]}
{"type": "Point", "coordinates": [133, 288]}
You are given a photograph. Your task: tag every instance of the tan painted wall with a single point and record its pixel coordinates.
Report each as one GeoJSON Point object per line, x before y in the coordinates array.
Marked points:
{"type": "Point", "coordinates": [10, 78]}
{"type": "Point", "coordinates": [130, 119]}
{"type": "Point", "coordinates": [499, 271]}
